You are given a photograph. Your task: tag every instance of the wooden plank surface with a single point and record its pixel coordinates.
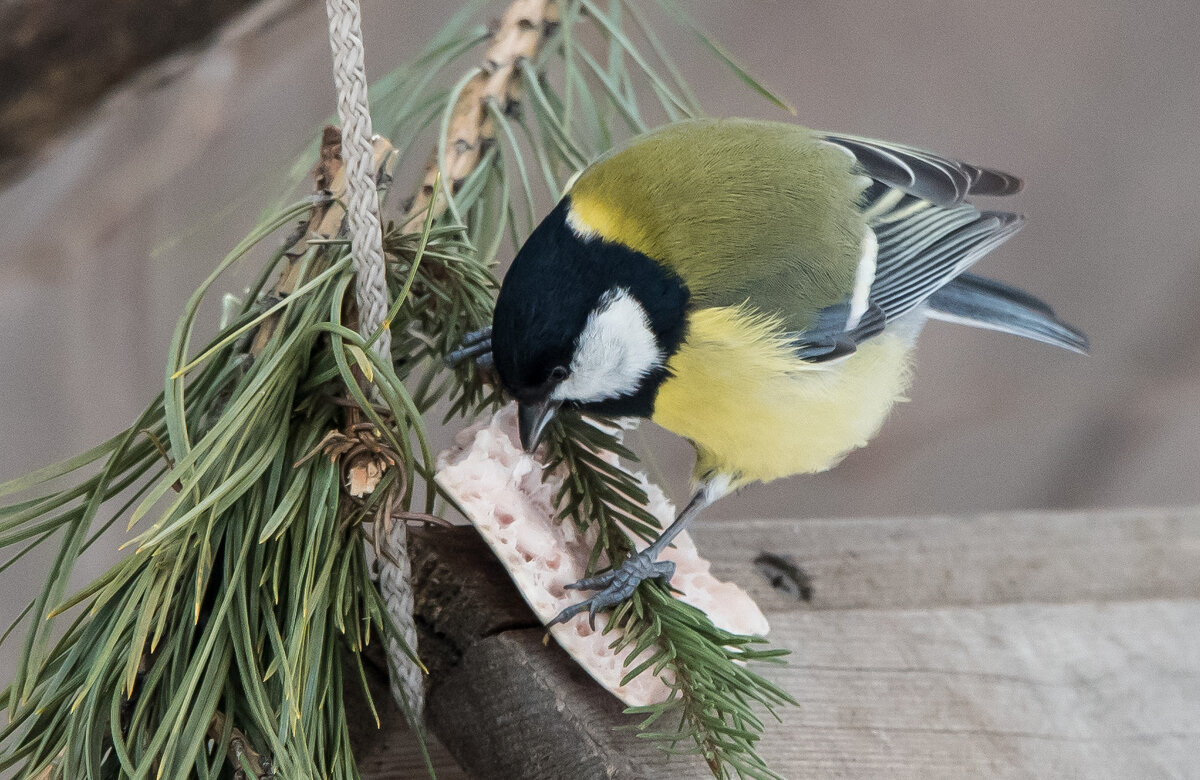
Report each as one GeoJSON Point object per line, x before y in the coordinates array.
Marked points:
{"type": "Point", "coordinates": [989, 559]}
{"type": "Point", "coordinates": [1026, 690]}
{"type": "Point", "coordinates": [1034, 645]}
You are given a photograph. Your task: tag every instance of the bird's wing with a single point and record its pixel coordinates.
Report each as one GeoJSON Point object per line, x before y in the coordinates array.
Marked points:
{"type": "Point", "coordinates": [922, 234]}
{"type": "Point", "coordinates": [922, 253]}
{"type": "Point", "coordinates": [940, 180]}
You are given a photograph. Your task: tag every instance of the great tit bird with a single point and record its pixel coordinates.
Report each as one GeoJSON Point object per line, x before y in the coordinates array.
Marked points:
{"type": "Point", "coordinates": [754, 287]}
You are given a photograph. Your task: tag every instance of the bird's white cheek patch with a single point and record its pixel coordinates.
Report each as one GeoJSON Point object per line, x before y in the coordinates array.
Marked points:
{"type": "Point", "coordinates": [613, 353]}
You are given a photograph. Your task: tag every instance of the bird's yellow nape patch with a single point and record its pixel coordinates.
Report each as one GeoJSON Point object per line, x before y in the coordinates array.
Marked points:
{"type": "Point", "coordinates": [591, 218]}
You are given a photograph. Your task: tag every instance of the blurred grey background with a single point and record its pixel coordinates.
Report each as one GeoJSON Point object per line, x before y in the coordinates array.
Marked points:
{"type": "Point", "coordinates": [1096, 105]}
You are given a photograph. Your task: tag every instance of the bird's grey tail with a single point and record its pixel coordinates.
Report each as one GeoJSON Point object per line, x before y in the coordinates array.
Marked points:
{"type": "Point", "coordinates": [984, 303]}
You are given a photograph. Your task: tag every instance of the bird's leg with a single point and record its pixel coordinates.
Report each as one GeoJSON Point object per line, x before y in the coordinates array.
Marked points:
{"type": "Point", "coordinates": [618, 584]}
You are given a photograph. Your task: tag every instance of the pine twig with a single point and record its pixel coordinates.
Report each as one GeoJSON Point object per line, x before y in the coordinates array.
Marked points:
{"type": "Point", "coordinates": [241, 754]}
{"type": "Point", "coordinates": [324, 222]}
{"type": "Point", "coordinates": [713, 690]}
{"type": "Point", "coordinates": [518, 37]}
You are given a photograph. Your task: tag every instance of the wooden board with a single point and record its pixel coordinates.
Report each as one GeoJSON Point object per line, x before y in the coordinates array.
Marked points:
{"type": "Point", "coordinates": [990, 559]}
{"type": "Point", "coordinates": [1034, 645]}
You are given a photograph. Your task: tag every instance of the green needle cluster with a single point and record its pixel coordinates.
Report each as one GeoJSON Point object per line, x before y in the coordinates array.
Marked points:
{"type": "Point", "coordinates": [225, 639]}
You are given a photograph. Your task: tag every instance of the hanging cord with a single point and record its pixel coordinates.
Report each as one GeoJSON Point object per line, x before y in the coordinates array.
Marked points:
{"type": "Point", "coordinates": [366, 245]}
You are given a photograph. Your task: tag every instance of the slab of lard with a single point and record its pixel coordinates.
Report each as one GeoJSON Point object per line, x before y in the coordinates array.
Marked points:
{"type": "Point", "coordinates": [503, 492]}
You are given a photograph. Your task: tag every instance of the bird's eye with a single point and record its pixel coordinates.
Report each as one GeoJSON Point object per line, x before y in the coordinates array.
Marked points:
{"type": "Point", "coordinates": [558, 373]}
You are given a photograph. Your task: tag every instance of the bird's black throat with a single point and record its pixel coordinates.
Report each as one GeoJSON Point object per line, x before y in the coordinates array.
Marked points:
{"type": "Point", "coordinates": [555, 281]}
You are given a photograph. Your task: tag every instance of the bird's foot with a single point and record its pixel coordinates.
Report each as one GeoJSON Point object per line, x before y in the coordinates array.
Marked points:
{"type": "Point", "coordinates": [616, 585]}
{"type": "Point", "coordinates": [476, 345]}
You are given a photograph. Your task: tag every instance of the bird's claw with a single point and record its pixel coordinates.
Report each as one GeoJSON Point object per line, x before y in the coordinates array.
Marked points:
{"type": "Point", "coordinates": [615, 586]}
{"type": "Point", "coordinates": [476, 345]}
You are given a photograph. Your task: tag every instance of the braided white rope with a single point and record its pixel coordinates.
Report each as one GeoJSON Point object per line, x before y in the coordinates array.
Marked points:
{"type": "Point", "coordinates": [362, 207]}
{"type": "Point", "coordinates": [366, 245]}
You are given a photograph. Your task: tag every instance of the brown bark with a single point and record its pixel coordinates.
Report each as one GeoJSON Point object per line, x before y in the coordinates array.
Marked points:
{"type": "Point", "coordinates": [503, 698]}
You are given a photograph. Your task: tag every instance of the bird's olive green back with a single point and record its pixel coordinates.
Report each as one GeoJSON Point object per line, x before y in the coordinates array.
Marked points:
{"type": "Point", "coordinates": [743, 211]}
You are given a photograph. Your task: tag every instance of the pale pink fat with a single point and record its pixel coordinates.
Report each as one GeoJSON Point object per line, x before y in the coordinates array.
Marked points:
{"type": "Point", "coordinates": [503, 493]}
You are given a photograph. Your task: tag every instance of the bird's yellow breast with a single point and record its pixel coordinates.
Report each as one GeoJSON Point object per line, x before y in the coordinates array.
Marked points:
{"type": "Point", "coordinates": [757, 413]}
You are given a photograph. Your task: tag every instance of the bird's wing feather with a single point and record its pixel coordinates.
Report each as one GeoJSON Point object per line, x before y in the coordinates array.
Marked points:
{"type": "Point", "coordinates": [923, 253]}
{"type": "Point", "coordinates": [984, 303]}
{"type": "Point", "coordinates": [830, 338]}
{"type": "Point", "coordinates": [938, 179]}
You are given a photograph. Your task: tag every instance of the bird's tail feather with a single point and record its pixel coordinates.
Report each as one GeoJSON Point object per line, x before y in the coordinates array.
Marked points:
{"type": "Point", "coordinates": [984, 303]}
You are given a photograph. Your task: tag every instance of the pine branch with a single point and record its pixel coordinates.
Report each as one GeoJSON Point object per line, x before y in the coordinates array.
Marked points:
{"type": "Point", "coordinates": [470, 129]}
{"type": "Point", "coordinates": [713, 692]}
{"type": "Point", "coordinates": [246, 580]}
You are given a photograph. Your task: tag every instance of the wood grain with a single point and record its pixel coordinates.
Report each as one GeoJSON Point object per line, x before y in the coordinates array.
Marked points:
{"type": "Point", "coordinates": [989, 559]}
{"type": "Point", "coordinates": [1030, 645]}
{"type": "Point", "coordinates": [1026, 690]}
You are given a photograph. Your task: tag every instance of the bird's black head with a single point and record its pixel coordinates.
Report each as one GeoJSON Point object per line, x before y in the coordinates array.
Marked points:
{"type": "Point", "coordinates": [584, 322]}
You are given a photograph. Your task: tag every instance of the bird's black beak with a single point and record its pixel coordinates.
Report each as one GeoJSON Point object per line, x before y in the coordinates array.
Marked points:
{"type": "Point", "coordinates": [532, 420]}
